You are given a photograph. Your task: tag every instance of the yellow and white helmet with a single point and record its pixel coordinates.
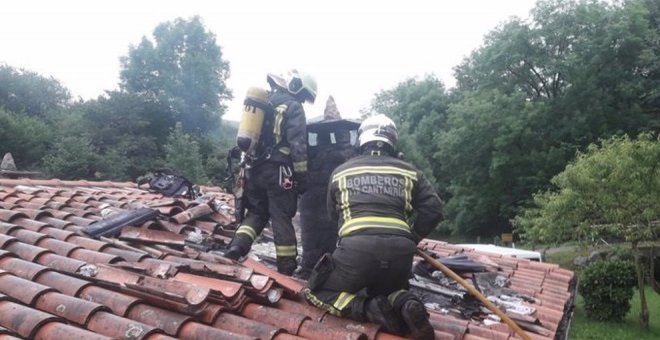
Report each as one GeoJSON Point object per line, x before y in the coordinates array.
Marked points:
{"type": "Point", "coordinates": [378, 128]}
{"type": "Point", "coordinates": [300, 84]}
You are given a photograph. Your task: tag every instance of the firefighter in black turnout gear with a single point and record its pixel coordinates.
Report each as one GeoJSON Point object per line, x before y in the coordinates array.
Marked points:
{"type": "Point", "coordinates": [277, 173]}
{"type": "Point", "coordinates": [384, 207]}
{"type": "Point", "coordinates": [329, 146]}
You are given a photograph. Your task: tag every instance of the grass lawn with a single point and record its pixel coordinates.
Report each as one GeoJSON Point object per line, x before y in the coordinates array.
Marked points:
{"type": "Point", "coordinates": [583, 328]}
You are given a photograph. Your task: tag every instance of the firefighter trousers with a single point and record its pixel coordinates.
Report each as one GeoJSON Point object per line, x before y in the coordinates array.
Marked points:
{"type": "Point", "coordinates": [361, 268]}
{"type": "Point", "coordinates": [317, 232]}
{"type": "Point", "coordinates": [270, 196]}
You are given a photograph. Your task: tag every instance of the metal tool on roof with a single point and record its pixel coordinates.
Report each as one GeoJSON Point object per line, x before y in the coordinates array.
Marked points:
{"type": "Point", "coordinates": [112, 225]}
{"type": "Point", "coordinates": [475, 293]}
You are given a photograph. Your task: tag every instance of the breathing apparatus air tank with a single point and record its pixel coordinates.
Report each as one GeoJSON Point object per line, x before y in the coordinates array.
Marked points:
{"type": "Point", "coordinates": [252, 119]}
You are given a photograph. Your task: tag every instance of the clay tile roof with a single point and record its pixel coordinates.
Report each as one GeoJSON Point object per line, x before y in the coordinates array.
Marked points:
{"type": "Point", "coordinates": [160, 279]}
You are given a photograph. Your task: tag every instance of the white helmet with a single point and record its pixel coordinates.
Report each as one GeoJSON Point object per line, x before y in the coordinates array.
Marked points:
{"type": "Point", "coordinates": [378, 128]}
{"type": "Point", "coordinates": [300, 84]}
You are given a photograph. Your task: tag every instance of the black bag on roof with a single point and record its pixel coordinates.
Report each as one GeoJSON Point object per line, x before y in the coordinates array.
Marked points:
{"type": "Point", "coordinates": [168, 183]}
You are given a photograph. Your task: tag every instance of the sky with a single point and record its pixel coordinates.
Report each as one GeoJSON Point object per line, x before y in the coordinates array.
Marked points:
{"type": "Point", "coordinates": [354, 49]}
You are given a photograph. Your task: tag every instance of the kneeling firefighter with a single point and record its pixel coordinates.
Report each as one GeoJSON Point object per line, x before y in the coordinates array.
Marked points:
{"type": "Point", "coordinates": [384, 207]}
{"type": "Point", "coordinates": [276, 168]}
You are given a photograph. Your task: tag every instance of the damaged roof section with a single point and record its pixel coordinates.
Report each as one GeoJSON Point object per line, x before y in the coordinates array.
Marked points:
{"type": "Point", "coordinates": [539, 297]}
{"type": "Point", "coordinates": [106, 259]}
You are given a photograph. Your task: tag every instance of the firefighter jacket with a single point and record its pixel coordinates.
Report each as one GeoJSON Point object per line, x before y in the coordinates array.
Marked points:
{"type": "Point", "coordinates": [380, 194]}
{"type": "Point", "coordinates": [284, 138]}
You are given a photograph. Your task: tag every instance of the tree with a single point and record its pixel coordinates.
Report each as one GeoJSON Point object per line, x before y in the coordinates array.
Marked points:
{"type": "Point", "coordinates": [611, 189]}
{"type": "Point", "coordinates": [27, 92]}
{"type": "Point", "coordinates": [538, 91]}
{"type": "Point", "coordinates": [183, 156]}
{"type": "Point", "coordinates": [493, 150]}
{"type": "Point", "coordinates": [27, 138]}
{"type": "Point", "coordinates": [419, 108]}
{"type": "Point", "coordinates": [72, 157]}
{"type": "Point", "coordinates": [183, 69]}
{"type": "Point", "coordinates": [213, 148]}
{"type": "Point", "coordinates": [130, 126]}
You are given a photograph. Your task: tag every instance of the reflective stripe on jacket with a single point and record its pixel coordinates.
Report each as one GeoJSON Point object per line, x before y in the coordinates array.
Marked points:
{"type": "Point", "coordinates": [288, 132]}
{"type": "Point", "coordinates": [382, 194]}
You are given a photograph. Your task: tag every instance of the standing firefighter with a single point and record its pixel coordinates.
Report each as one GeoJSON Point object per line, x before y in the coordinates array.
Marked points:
{"type": "Point", "coordinates": [329, 146]}
{"type": "Point", "coordinates": [384, 206]}
{"type": "Point", "coordinates": [277, 171]}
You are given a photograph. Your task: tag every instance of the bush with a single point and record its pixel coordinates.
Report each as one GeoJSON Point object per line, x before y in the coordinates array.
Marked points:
{"type": "Point", "coordinates": [607, 287]}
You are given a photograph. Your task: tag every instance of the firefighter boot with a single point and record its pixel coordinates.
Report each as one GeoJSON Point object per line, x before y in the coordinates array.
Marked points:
{"type": "Point", "coordinates": [417, 319]}
{"type": "Point", "coordinates": [302, 273]}
{"type": "Point", "coordinates": [286, 264]}
{"type": "Point", "coordinates": [379, 311]}
{"type": "Point", "coordinates": [234, 253]}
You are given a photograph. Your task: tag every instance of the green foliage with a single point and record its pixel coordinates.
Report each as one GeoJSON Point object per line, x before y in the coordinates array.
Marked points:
{"type": "Point", "coordinates": [23, 91]}
{"type": "Point", "coordinates": [27, 138]}
{"type": "Point", "coordinates": [537, 92]}
{"type": "Point", "coordinates": [607, 287]}
{"type": "Point", "coordinates": [131, 127]}
{"type": "Point", "coordinates": [214, 147]}
{"type": "Point", "coordinates": [72, 157]}
{"type": "Point", "coordinates": [419, 108]}
{"type": "Point", "coordinates": [183, 156]}
{"type": "Point", "coordinates": [495, 152]}
{"type": "Point", "coordinates": [584, 328]}
{"type": "Point", "coordinates": [182, 69]}
{"type": "Point", "coordinates": [611, 189]}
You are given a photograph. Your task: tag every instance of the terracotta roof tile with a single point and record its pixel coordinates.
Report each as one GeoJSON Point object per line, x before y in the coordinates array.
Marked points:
{"type": "Point", "coordinates": [159, 336]}
{"type": "Point", "coordinates": [193, 330]}
{"type": "Point", "coordinates": [289, 321]}
{"type": "Point", "coordinates": [118, 303]}
{"type": "Point", "coordinates": [169, 321]}
{"type": "Point", "coordinates": [241, 325]}
{"type": "Point", "coordinates": [300, 308]}
{"type": "Point", "coordinates": [58, 262]}
{"type": "Point", "coordinates": [25, 251]}
{"type": "Point", "coordinates": [486, 332]}
{"type": "Point", "coordinates": [287, 336]}
{"type": "Point", "coordinates": [75, 310]}
{"type": "Point", "coordinates": [21, 268]}
{"type": "Point", "coordinates": [21, 319]}
{"type": "Point", "coordinates": [66, 284]}
{"type": "Point", "coordinates": [154, 284]}
{"type": "Point", "coordinates": [316, 330]}
{"type": "Point", "coordinates": [371, 330]}
{"type": "Point", "coordinates": [448, 324]}
{"type": "Point", "coordinates": [20, 289]}
{"type": "Point", "coordinates": [118, 327]}
{"type": "Point", "coordinates": [57, 330]}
